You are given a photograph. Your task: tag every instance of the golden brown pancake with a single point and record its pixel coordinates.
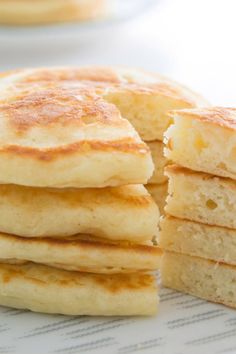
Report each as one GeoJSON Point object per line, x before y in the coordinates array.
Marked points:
{"type": "Point", "coordinates": [39, 12]}
{"type": "Point", "coordinates": [120, 213]}
{"type": "Point", "coordinates": [143, 98]}
{"type": "Point", "coordinates": [54, 136]}
{"type": "Point", "coordinates": [45, 289]}
{"type": "Point", "coordinates": [81, 253]}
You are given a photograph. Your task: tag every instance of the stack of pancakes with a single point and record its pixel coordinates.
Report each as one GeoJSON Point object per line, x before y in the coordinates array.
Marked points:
{"type": "Point", "coordinates": [141, 97]}
{"type": "Point", "coordinates": [199, 233]}
{"type": "Point", "coordinates": [73, 208]}
{"type": "Point", "coordinates": [76, 222]}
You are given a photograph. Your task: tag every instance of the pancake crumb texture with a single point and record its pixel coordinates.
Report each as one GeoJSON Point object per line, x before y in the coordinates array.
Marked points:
{"type": "Point", "coordinates": [197, 239]}
{"type": "Point", "coordinates": [200, 277]}
{"type": "Point", "coordinates": [203, 140]}
{"type": "Point", "coordinates": [201, 197]}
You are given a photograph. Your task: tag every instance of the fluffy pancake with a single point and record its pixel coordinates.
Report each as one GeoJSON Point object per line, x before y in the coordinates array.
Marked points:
{"type": "Point", "coordinates": [54, 136]}
{"type": "Point", "coordinates": [121, 213]}
{"type": "Point", "coordinates": [200, 277]}
{"type": "Point", "coordinates": [204, 140]}
{"type": "Point", "coordinates": [143, 98]}
{"type": "Point", "coordinates": [201, 197]}
{"type": "Point", "coordinates": [25, 12]}
{"type": "Point", "coordinates": [45, 289]}
{"type": "Point", "coordinates": [81, 254]}
{"type": "Point", "coordinates": [159, 194]}
{"type": "Point", "coordinates": [156, 148]}
{"type": "Point", "coordinates": [196, 239]}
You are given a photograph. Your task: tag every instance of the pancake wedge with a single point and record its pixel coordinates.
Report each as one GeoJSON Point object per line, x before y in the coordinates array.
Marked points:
{"type": "Point", "coordinates": [197, 239]}
{"type": "Point", "coordinates": [122, 213]}
{"type": "Point", "coordinates": [81, 253]}
{"type": "Point", "coordinates": [141, 97]}
{"type": "Point", "coordinates": [159, 194]}
{"type": "Point", "coordinates": [60, 137]}
{"type": "Point", "coordinates": [39, 12]}
{"type": "Point", "coordinates": [204, 140]}
{"type": "Point", "coordinates": [201, 197]}
{"type": "Point", "coordinates": [200, 277]}
{"type": "Point", "coordinates": [45, 289]}
{"type": "Point", "coordinates": [156, 148]}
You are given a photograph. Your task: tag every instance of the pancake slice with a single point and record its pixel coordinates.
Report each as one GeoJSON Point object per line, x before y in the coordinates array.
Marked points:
{"type": "Point", "coordinates": [81, 253]}
{"type": "Point", "coordinates": [45, 289]}
{"type": "Point", "coordinates": [159, 194]}
{"type": "Point", "coordinates": [204, 140]}
{"type": "Point", "coordinates": [143, 98]}
{"type": "Point", "coordinates": [54, 136]}
{"type": "Point", "coordinates": [201, 197]}
{"type": "Point", "coordinates": [156, 148]}
{"type": "Point", "coordinates": [206, 279]}
{"type": "Point", "coordinates": [122, 213]}
{"type": "Point", "coordinates": [197, 239]}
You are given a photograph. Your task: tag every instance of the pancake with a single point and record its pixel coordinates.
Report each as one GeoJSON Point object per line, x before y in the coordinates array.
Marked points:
{"type": "Point", "coordinates": [79, 254]}
{"type": "Point", "coordinates": [38, 12]}
{"type": "Point", "coordinates": [196, 239]}
{"type": "Point", "coordinates": [204, 140]}
{"type": "Point", "coordinates": [159, 194]}
{"type": "Point", "coordinates": [121, 213]}
{"type": "Point", "coordinates": [201, 197]}
{"type": "Point", "coordinates": [156, 148]}
{"type": "Point", "coordinates": [45, 289]}
{"type": "Point", "coordinates": [54, 136]}
{"type": "Point", "coordinates": [142, 97]}
{"type": "Point", "coordinates": [200, 277]}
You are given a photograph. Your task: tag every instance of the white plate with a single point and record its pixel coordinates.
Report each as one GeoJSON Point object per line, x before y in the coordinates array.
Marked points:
{"type": "Point", "coordinates": [119, 11]}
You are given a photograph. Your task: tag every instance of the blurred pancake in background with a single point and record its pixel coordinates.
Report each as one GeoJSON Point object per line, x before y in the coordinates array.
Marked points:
{"type": "Point", "coordinates": [39, 12]}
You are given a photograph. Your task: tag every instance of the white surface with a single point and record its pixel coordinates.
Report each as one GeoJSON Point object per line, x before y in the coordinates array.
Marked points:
{"type": "Point", "coordinates": [193, 42]}
{"type": "Point", "coordinates": [184, 325]}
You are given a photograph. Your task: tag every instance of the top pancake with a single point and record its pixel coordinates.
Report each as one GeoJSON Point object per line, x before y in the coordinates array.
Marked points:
{"type": "Point", "coordinates": [143, 98]}
{"type": "Point", "coordinates": [66, 136]}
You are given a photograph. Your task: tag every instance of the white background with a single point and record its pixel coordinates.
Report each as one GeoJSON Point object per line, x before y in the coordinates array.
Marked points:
{"type": "Point", "coordinates": [192, 41]}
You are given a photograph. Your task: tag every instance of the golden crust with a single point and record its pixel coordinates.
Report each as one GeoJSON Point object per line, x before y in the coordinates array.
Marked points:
{"type": "Point", "coordinates": [141, 97]}
{"type": "Point", "coordinates": [31, 106]}
{"type": "Point", "coordinates": [219, 116]}
{"type": "Point", "coordinates": [50, 123]}
{"type": "Point", "coordinates": [119, 213]}
{"type": "Point", "coordinates": [81, 253]}
{"type": "Point", "coordinates": [113, 78]}
{"type": "Point", "coordinates": [46, 289]}
{"type": "Point", "coordinates": [82, 147]}
{"type": "Point", "coordinates": [111, 283]}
